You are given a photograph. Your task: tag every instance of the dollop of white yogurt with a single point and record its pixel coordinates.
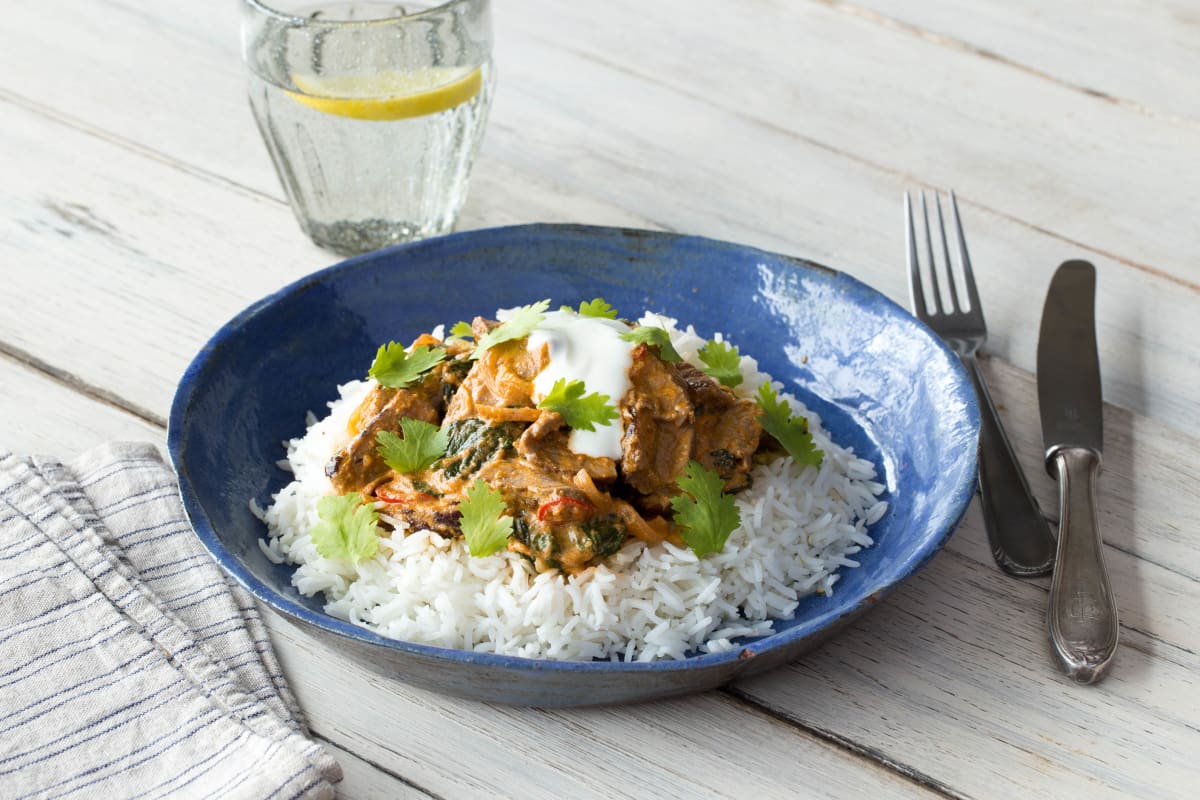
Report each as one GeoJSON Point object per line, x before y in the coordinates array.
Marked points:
{"type": "Point", "coordinates": [588, 349]}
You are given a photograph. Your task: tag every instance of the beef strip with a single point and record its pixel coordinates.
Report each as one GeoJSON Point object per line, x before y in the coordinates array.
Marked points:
{"type": "Point", "coordinates": [546, 443]}
{"type": "Point", "coordinates": [657, 418]}
{"type": "Point", "coordinates": [727, 428]}
{"type": "Point", "coordinates": [409, 499]}
{"type": "Point", "coordinates": [501, 378]}
{"type": "Point", "coordinates": [358, 464]}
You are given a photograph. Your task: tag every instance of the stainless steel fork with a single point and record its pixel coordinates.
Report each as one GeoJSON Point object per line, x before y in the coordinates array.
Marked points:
{"type": "Point", "coordinates": [1019, 535]}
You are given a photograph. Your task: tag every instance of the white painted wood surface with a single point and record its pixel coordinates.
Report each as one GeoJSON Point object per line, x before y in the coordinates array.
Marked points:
{"type": "Point", "coordinates": [138, 212]}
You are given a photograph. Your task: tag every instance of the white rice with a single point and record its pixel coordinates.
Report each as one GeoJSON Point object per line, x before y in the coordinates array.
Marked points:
{"type": "Point", "coordinates": [800, 525]}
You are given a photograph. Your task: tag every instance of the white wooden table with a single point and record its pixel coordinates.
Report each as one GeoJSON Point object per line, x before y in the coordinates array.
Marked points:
{"type": "Point", "coordinates": [138, 212]}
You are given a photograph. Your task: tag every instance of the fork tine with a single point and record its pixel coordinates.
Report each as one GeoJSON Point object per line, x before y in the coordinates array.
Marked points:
{"type": "Point", "coordinates": [915, 291]}
{"type": "Point", "coordinates": [968, 273]}
{"type": "Point", "coordinates": [934, 287]}
{"type": "Point", "coordinates": [950, 286]}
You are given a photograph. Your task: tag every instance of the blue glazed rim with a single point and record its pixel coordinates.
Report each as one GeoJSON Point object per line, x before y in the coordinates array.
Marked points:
{"type": "Point", "coordinates": [738, 655]}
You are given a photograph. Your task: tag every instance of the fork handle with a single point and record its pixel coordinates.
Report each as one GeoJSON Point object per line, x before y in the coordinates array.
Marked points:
{"type": "Point", "coordinates": [1019, 535]}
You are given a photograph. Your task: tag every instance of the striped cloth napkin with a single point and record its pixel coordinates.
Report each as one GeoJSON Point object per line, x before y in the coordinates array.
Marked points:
{"type": "Point", "coordinates": [130, 666]}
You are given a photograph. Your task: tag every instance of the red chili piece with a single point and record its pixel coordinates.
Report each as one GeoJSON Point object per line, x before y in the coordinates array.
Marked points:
{"type": "Point", "coordinates": [550, 506]}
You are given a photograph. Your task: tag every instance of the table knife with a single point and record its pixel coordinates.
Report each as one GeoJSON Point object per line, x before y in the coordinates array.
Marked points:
{"type": "Point", "coordinates": [1082, 617]}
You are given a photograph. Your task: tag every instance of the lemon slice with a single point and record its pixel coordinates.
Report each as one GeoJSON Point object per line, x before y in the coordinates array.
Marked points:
{"type": "Point", "coordinates": [388, 95]}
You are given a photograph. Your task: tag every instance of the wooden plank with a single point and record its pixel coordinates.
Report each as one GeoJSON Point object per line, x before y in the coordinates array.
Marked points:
{"type": "Point", "coordinates": [1145, 490]}
{"type": "Point", "coordinates": [1030, 149]}
{"type": "Point", "coordinates": [112, 270]}
{"type": "Point", "coordinates": [132, 234]}
{"type": "Point", "coordinates": [366, 781]}
{"type": "Point", "coordinates": [108, 230]}
{"type": "Point", "coordinates": [40, 415]}
{"type": "Point", "coordinates": [227, 144]}
{"type": "Point", "coordinates": [1133, 52]}
{"type": "Point", "coordinates": [140, 246]}
{"type": "Point", "coordinates": [397, 741]}
{"type": "Point", "coordinates": [1008, 306]}
{"type": "Point", "coordinates": [855, 226]}
{"type": "Point", "coordinates": [106, 93]}
{"type": "Point", "coordinates": [915, 107]}
{"type": "Point", "coordinates": [949, 681]}
{"type": "Point", "coordinates": [168, 76]}
{"type": "Point", "coordinates": [974, 704]}
{"type": "Point", "coordinates": [212, 258]}
{"type": "Point", "coordinates": [43, 415]}
{"type": "Point", "coordinates": [961, 654]}
{"type": "Point", "coordinates": [707, 745]}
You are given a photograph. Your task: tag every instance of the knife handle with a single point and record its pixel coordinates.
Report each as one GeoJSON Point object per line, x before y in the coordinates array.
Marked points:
{"type": "Point", "coordinates": [1083, 610]}
{"type": "Point", "coordinates": [1018, 534]}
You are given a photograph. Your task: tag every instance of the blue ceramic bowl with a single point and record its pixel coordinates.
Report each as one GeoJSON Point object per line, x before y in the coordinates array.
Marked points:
{"type": "Point", "coordinates": [880, 380]}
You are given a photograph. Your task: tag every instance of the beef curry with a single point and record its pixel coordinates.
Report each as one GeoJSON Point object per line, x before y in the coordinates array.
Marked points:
{"type": "Point", "coordinates": [570, 509]}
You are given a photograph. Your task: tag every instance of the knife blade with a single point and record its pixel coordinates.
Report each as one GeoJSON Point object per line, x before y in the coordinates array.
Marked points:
{"type": "Point", "coordinates": [1082, 615]}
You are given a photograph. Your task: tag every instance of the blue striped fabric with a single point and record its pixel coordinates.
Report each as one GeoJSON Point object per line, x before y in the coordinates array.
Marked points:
{"type": "Point", "coordinates": [130, 665]}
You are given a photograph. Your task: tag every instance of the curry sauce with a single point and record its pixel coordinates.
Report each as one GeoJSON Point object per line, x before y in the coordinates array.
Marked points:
{"type": "Point", "coordinates": [574, 502]}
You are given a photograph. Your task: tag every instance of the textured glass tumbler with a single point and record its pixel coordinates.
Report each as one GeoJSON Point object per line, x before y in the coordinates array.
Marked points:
{"type": "Point", "coordinates": [372, 112]}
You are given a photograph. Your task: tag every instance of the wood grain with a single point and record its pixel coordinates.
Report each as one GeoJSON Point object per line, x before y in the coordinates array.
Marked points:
{"type": "Point", "coordinates": [1003, 724]}
{"type": "Point", "coordinates": [1132, 52]}
{"type": "Point", "coordinates": [43, 415]}
{"type": "Point", "coordinates": [948, 683]}
{"type": "Point", "coordinates": [366, 781]}
{"type": "Point", "coordinates": [1016, 723]}
{"type": "Point", "coordinates": [891, 112]}
{"type": "Point", "coordinates": [235, 244]}
{"type": "Point", "coordinates": [139, 212]}
{"type": "Point", "coordinates": [398, 741]}
{"type": "Point", "coordinates": [704, 746]}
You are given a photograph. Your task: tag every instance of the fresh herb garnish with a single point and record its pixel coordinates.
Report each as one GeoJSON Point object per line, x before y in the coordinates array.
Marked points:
{"type": "Point", "coordinates": [420, 445]}
{"type": "Point", "coordinates": [519, 325]}
{"type": "Point", "coordinates": [790, 431]}
{"type": "Point", "coordinates": [597, 308]}
{"type": "Point", "coordinates": [395, 367]}
{"type": "Point", "coordinates": [462, 330]}
{"type": "Point", "coordinates": [721, 362]}
{"type": "Point", "coordinates": [705, 514]}
{"type": "Point", "coordinates": [582, 412]}
{"type": "Point", "coordinates": [656, 337]}
{"type": "Point", "coordinates": [348, 528]}
{"type": "Point", "coordinates": [483, 523]}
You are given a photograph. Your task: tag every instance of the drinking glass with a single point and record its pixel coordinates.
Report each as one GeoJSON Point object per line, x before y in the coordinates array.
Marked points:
{"type": "Point", "coordinates": [372, 112]}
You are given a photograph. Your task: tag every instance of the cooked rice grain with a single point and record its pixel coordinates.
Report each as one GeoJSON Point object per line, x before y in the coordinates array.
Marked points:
{"type": "Point", "coordinates": [799, 526]}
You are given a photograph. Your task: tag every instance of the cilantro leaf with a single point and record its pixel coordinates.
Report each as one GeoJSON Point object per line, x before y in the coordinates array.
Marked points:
{"type": "Point", "coordinates": [705, 514]}
{"type": "Point", "coordinates": [597, 308]}
{"type": "Point", "coordinates": [657, 337]}
{"type": "Point", "coordinates": [791, 432]}
{"type": "Point", "coordinates": [395, 367]}
{"type": "Point", "coordinates": [420, 446]}
{"type": "Point", "coordinates": [519, 325]}
{"type": "Point", "coordinates": [721, 361]}
{"type": "Point", "coordinates": [462, 330]}
{"type": "Point", "coordinates": [348, 528]}
{"type": "Point", "coordinates": [580, 411]}
{"type": "Point", "coordinates": [483, 523]}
